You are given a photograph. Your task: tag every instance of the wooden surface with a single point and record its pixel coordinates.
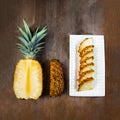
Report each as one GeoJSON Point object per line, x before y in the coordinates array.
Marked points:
{"type": "Point", "coordinates": [63, 17]}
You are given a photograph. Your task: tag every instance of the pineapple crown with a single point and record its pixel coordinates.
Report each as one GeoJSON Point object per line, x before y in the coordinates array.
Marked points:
{"type": "Point", "coordinates": [31, 43]}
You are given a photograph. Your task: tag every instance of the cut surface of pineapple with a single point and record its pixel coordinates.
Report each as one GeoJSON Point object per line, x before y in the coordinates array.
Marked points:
{"type": "Point", "coordinates": [28, 79]}
{"type": "Point", "coordinates": [86, 68]}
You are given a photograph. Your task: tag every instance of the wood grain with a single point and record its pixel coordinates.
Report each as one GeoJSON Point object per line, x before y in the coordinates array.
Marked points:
{"type": "Point", "coordinates": [62, 17]}
{"type": "Point", "coordinates": [112, 31]}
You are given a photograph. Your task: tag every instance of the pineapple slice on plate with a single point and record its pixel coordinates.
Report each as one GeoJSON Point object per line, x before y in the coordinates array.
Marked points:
{"type": "Point", "coordinates": [28, 82]}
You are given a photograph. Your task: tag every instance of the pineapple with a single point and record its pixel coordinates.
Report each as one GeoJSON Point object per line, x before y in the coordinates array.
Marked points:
{"type": "Point", "coordinates": [56, 78]}
{"type": "Point", "coordinates": [28, 81]}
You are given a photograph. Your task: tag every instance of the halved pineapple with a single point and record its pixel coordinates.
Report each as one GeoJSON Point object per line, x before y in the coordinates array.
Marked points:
{"type": "Point", "coordinates": [28, 82]}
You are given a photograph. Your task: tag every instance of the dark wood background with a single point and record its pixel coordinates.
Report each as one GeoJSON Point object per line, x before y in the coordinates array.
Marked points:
{"type": "Point", "coordinates": [63, 17]}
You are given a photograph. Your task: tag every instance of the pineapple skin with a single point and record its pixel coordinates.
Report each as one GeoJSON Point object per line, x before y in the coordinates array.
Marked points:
{"type": "Point", "coordinates": [28, 82]}
{"type": "Point", "coordinates": [56, 78]}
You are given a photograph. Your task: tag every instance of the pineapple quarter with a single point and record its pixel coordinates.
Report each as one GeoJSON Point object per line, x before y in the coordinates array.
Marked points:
{"type": "Point", "coordinates": [28, 81]}
{"type": "Point", "coordinates": [56, 78]}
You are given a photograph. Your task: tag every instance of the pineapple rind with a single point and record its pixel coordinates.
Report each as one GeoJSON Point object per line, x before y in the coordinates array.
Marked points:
{"type": "Point", "coordinates": [56, 78]}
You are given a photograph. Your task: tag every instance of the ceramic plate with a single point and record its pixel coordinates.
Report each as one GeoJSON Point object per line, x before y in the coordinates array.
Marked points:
{"type": "Point", "coordinates": [99, 86]}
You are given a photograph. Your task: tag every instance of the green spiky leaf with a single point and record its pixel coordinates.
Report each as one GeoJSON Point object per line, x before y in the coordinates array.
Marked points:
{"type": "Point", "coordinates": [23, 52]}
{"type": "Point", "coordinates": [38, 35]}
{"type": "Point", "coordinates": [37, 30]}
{"type": "Point", "coordinates": [23, 41]}
{"type": "Point", "coordinates": [27, 29]}
{"type": "Point", "coordinates": [40, 38]}
{"type": "Point", "coordinates": [38, 49]}
{"type": "Point", "coordinates": [31, 44]}
{"type": "Point", "coordinates": [24, 34]}
{"type": "Point", "coordinates": [22, 47]}
{"type": "Point", "coordinates": [39, 44]}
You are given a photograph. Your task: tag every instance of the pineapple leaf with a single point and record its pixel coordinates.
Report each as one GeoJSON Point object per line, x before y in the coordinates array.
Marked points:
{"type": "Point", "coordinates": [39, 44]}
{"type": "Point", "coordinates": [37, 30]}
{"type": "Point", "coordinates": [38, 35]}
{"type": "Point", "coordinates": [42, 31]}
{"type": "Point", "coordinates": [24, 34]}
{"type": "Point", "coordinates": [20, 46]}
{"type": "Point", "coordinates": [23, 52]}
{"type": "Point", "coordinates": [31, 43]}
{"type": "Point", "coordinates": [34, 38]}
{"type": "Point", "coordinates": [27, 29]}
{"type": "Point", "coordinates": [41, 37]}
{"type": "Point", "coordinates": [23, 41]}
{"type": "Point", "coordinates": [38, 49]}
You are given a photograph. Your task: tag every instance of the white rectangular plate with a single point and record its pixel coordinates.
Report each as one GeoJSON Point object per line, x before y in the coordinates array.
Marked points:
{"type": "Point", "coordinates": [99, 88]}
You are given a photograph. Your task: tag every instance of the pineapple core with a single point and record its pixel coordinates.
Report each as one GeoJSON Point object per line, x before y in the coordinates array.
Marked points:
{"type": "Point", "coordinates": [28, 79]}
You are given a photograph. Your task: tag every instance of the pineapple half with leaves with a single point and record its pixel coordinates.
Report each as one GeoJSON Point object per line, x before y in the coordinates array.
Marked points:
{"type": "Point", "coordinates": [28, 81]}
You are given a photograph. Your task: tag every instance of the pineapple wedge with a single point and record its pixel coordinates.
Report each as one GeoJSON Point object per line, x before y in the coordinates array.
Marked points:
{"type": "Point", "coordinates": [56, 78]}
{"type": "Point", "coordinates": [28, 81]}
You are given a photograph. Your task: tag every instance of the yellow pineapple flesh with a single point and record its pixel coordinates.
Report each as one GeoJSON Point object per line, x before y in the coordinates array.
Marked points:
{"type": "Point", "coordinates": [28, 79]}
